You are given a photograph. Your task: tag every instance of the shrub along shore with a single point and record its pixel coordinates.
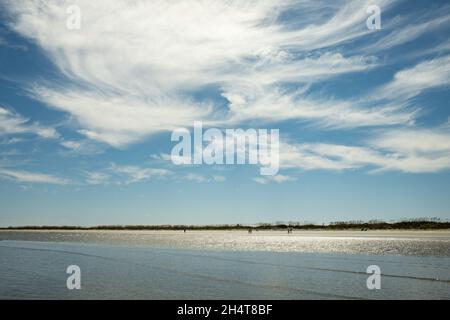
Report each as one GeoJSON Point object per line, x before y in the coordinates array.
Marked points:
{"type": "Point", "coordinates": [350, 225]}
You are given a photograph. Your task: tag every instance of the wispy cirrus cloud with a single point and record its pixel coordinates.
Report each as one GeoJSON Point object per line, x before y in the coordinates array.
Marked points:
{"type": "Point", "coordinates": [405, 150]}
{"type": "Point", "coordinates": [411, 82]}
{"type": "Point", "coordinates": [12, 123]}
{"type": "Point", "coordinates": [425, 141]}
{"type": "Point", "coordinates": [136, 68]}
{"type": "Point", "coordinates": [132, 70]}
{"type": "Point", "coordinates": [195, 177]}
{"type": "Point", "coordinates": [97, 178]}
{"type": "Point", "coordinates": [119, 120]}
{"type": "Point", "coordinates": [405, 29]}
{"type": "Point", "coordinates": [386, 105]}
{"type": "Point", "coordinates": [133, 174]}
{"type": "Point", "coordinates": [31, 177]}
{"type": "Point", "coordinates": [275, 105]}
{"type": "Point", "coordinates": [128, 174]}
{"type": "Point", "coordinates": [279, 178]}
{"type": "Point", "coordinates": [117, 174]}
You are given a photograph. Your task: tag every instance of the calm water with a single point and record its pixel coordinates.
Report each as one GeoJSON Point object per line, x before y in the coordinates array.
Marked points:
{"type": "Point", "coordinates": [224, 265]}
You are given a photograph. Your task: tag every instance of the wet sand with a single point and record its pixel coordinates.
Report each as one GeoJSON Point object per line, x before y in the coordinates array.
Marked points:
{"type": "Point", "coordinates": [384, 242]}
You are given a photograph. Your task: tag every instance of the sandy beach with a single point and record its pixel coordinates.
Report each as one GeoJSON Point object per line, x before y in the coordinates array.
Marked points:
{"type": "Point", "coordinates": [441, 234]}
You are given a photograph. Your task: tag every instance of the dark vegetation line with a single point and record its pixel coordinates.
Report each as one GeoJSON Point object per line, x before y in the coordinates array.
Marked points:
{"type": "Point", "coordinates": [418, 224]}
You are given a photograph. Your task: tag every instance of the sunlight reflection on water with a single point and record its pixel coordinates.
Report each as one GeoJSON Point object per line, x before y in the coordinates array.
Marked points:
{"type": "Point", "coordinates": [399, 243]}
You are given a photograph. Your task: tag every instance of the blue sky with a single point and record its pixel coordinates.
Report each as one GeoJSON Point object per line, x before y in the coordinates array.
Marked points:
{"type": "Point", "coordinates": [86, 114]}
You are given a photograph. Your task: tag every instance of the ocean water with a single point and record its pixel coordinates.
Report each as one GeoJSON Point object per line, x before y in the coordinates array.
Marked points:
{"type": "Point", "coordinates": [223, 265]}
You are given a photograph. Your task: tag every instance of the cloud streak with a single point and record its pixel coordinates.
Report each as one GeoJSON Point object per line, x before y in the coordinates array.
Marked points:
{"type": "Point", "coordinates": [134, 68]}
{"type": "Point", "coordinates": [404, 150]}
{"type": "Point", "coordinates": [12, 123]}
{"type": "Point", "coordinates": [31, 177]}
{"type": "Point", "coordinates": [138, 68]}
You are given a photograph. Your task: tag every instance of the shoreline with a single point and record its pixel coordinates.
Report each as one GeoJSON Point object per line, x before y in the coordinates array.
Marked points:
{"type": "Point", "coordinates": [441, 226]}
{"type": "Point", "coordinates": [442, 233]}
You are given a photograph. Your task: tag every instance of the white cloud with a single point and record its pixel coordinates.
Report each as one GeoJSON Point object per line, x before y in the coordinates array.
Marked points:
{"type": "Point", "coordinates": [408, 28]}
{"type": "Point", "coordinates": [31, 177]}
{"type": "Point", "coordinates": [285, 69]}
{"type": "Point", "coordinates": [120, 175]}
{"type": "Point", "coordinates": [120, 119]}
{"type": "Point", "coordinates": [96, 178]}
{"type": "Point", "coordinates": [424, 141]}
{"type": "Point", "coordinates": [411, 82]}
{"type": "Point", "coordinates": [12, 123]}
{"type": "Point", "coordinates": [71, 144]}
{"type": "Point", "coordinates": [405, 150]}
{"type": "Point", "coordinates": [162, 157]}
{"type": "Point", "coordinates": [133, 174]}
{"type": "Point", "coordinates": [308, 157]}
{"type": "Point", "coordinates": [124, 175]}
{"type": "Point", "coordinates": [275, 105]}
{"type": "Point", "coordinates": [11, 141]}
{"type": "Point", "coordinates": [81, 147]}
{"type": "Point", "coordinates": [219, 178]}
{"type": "Point", "coordinates": [195, 177]}
{"type": "Point", "coordinates": [277, 178]}
{"type": "Point", "coordinates": [132, 68]}
{"type": "Point", "coordinates": [388, 104]}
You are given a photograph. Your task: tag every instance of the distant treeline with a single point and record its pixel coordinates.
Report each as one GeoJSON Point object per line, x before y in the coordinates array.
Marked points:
{"type": "Point", "coordinates": [417, 224]}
